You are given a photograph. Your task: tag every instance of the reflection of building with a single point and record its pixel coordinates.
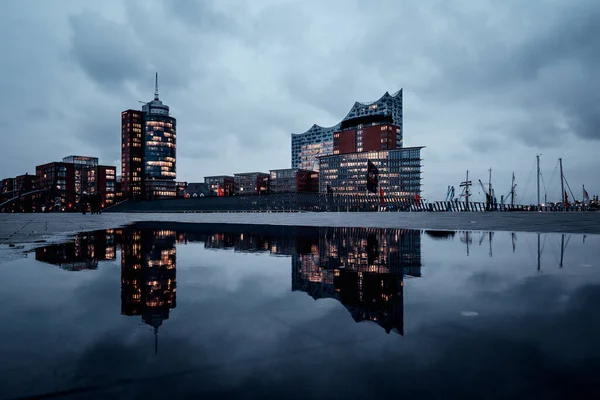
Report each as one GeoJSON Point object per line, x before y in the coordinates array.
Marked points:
{"type": "Point", "coordinates": [363, 269]}
{"type": "Point", "coordinates": [84, 252]}
{"type": "Point", "coordinates": [148, 275]}
{"type": "Point", "coordinates": [319, 141]}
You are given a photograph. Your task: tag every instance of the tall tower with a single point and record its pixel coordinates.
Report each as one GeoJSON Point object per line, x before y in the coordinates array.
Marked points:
{"type": "Point", "coordinates": [160, 158]}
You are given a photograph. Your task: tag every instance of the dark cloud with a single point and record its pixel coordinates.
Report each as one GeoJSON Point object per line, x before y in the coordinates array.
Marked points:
{"type": "Point", "coordinates": [479, 78]}
{"type": "Point", "coordinates": [107, 51]}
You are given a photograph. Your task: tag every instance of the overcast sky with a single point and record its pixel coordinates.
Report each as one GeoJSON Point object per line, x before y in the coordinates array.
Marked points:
{"type": "Point", "coordinates": [486, 83]}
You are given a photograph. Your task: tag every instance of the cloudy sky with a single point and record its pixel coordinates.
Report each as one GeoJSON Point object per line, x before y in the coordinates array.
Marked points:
{"type": "Point", "coordinates": [486, 83]}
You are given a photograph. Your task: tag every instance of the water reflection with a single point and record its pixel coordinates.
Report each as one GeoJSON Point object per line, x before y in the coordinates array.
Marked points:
{"type": "Point", "coordinates": [363, 269]}
{"type": "Point", "coordinates": [148, 275]}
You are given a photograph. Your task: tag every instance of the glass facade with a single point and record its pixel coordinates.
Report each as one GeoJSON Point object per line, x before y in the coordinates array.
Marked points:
{"type": "Point", "coordinates": [307, 147]}
{"type": "Point", "coordinates": [251, 183]}
{"type": "Point", "coordinates": [399, 172]}
{"type": "Point", "coordinates": [159, 150]}
{"type": "Point", "coordinates": [160, 135]}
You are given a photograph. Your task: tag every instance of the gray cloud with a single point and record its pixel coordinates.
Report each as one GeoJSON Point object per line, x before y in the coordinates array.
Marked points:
{"type": "Point", "coordinates": [107, 51]}
{"type": "Point", "coordinates": [483, 82]}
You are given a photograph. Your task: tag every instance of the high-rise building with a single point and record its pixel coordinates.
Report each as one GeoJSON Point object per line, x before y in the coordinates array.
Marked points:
{"type": "Point", "coordinates": [148, 151]}
{"type": "Point", "coordinates": [159, 149]}
{"type": "Point", "coordinates": [318, 141]}
{"type": "Point", "coordinates": [132, 153]}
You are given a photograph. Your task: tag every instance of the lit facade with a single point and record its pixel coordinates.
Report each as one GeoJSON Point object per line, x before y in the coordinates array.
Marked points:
{"type": "Point", "coordinates": [107, 184]}
{"type": "Point", "coordinates": [132, 153]}
{"type": "Point", "coordinates": [225, 182]}
{"type": "Point", "coordinates": [250, 183]}
{"type": "Point", "coordinates": [85, 173]}
{"type": "Point", "coordinates": [59, 176]}
{"type": "Point", "coordinates": [149, 151]}
{"type": "Point", "coordinates": [362, 268]}
{"type": "Point", "coordinates": [358, 137]}
{"type": "Point", "coordinates": [293, 180]}
{"type": "Point", "coordinates": [399, 172]}
{"type": "Point", "coordinates": [148, 275]}
{"type": "Point", "coordinates": [8, 185]}
{"type": "Point", "coordinates": [318, 140]}
{"type": "Point", "coordinates": [160, 137]}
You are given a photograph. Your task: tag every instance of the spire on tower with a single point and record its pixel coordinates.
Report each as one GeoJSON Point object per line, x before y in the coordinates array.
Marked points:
{"type": "Point", "coordinates": [156, 87]}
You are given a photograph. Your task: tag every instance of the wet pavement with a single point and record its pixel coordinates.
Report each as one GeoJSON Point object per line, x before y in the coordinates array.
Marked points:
{"type": "Point", "coordinates": [172, 310]}
{"type": "Point", "coordinates": [19, 229]}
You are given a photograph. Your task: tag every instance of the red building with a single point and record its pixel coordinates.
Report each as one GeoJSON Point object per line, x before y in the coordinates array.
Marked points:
{"type": "Point", "coordinates": [107, 184]}
{"type": "Point", "coordinates": [8, 185]}
{"type": "Point", "coordinates": [224, 182]}
{"type": "Point", "coordinates": [307, 181]}
{"type": "Point", "coordinates": [250, 183]}
{"type": "Point", "coordinates": [59, 176]}
{"type": "Point", "coordinates": [132, 153]}
{"type": "Point", "coordinates": [361, 138]}
{"type": "Point", "coordinates": [289, 180]}
{"type": "Point", "coordinates": [25, 183]}
{"type": "Point", "coordinates": [66, 178]}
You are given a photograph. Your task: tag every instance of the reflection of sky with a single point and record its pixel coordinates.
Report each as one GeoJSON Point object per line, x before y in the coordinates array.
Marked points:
{"type": "Point", "coordinates": [238, 329]}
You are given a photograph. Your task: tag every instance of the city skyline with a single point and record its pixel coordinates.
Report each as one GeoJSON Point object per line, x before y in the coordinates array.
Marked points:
{"type": "Point", "coordinates": [475, 94]}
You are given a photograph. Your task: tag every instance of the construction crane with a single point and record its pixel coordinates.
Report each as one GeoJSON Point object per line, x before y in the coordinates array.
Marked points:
{"type": "Point", "coordinates": [488, 196]}
{"type": "Point", "coordinates": [450, 193]}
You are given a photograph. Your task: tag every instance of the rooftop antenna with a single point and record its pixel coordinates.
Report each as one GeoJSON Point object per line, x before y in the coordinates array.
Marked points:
{"type": "Point", "coordinates": [156, 87]}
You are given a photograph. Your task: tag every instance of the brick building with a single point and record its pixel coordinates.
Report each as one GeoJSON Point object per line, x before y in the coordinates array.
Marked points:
{"type": "Point", "coordinates": [225, 182]}
{"type": "Point", "coordinates": [293, 180]}
{"type": "Point", "coordinates": [250, 183]}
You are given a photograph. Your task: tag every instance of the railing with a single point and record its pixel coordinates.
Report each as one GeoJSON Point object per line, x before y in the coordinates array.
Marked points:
{"type": "Point", "coordinates": [311, 202]}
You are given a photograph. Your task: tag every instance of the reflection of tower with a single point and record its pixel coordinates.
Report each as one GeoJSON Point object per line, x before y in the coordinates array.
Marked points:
{"type": "Point", "coordinates": [364, 269]}
{"type": "Point", "coordinates": [148, 275]}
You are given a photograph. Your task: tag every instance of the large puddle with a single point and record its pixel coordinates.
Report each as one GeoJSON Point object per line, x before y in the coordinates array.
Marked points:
{"type": "Point", "coordinates": [167, 310]}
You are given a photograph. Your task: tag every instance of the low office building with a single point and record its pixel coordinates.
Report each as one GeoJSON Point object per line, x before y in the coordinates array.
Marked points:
{"type": "Point", "coordinates": [399, 172]}
{"type": "Point", "coordinates": [8, 185]}
{"type": "Point", "coordinates": [293, 180]}
{"type": "Point", "coordinates": [225, 183]}
{"type": "Point", "coordinates": [78, 174]}
{"type": "Point", "coordinates": [199, 189]}
{"type": "Point", "coordinates": [250, 183]}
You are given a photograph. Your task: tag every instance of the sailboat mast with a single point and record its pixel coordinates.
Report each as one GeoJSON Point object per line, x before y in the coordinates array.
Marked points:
{"type": "Point", "coordinates": [490, 190]}
{"type": "Point", "coordinates": [538, 181]}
